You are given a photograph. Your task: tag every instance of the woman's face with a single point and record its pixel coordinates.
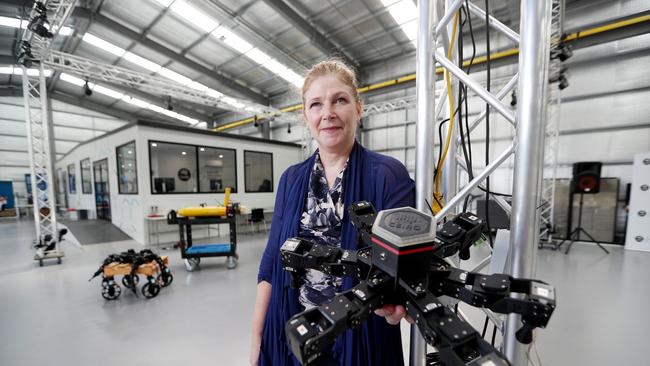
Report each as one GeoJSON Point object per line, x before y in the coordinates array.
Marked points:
{"type": "Point", "coordinates": [332, 113]}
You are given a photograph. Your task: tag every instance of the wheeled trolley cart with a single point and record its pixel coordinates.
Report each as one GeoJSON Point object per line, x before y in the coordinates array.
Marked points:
{"type": "Point", "coordinates": [207, 215]}
{"type": "Point", "coordinates": [191, 253]}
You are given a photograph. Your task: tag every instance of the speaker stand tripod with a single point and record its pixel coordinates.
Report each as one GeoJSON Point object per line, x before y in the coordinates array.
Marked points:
{"type": "Point", "coordinates": [575, 234]}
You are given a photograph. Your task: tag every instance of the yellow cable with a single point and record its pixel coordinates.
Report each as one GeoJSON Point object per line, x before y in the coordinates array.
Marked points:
{"type": "Point", "coordinates": [437, 199]}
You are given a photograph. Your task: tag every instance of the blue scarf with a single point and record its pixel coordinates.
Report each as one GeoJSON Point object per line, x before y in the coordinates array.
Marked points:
{"type": "Point", "coordinates": [369, 176]}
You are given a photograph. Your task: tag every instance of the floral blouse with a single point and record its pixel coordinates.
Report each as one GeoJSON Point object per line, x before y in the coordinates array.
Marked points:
{"type": "Point", "coordinates": [321, 223]}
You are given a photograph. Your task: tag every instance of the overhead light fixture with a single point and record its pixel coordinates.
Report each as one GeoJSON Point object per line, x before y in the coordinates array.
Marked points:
{"type": "Point", "coordinates": [289, 128]}
{"type": "Point", "coordinates": [220, 156]}
{"type": "Point", "coordinates": [193, 15]}
{"type": "Point", "coordinates": [129, 152]}
{"type": "Point", "coordinates": [26, 57]}
{"type": "Point", "coordinates": [183, 153]}
{"type": "Point", "coordinates": [563, 51]}
{"type": "Point", "coordinates": [405, 14]}
{"type": "Point", "coordinates": [154, 144]}
{"type": "Point", "coordinates": [87, 89]}
{"type": "Point", "coordinates": [38, 22]}
{"type": "Point", "coordinates": [170, 107]}
{"type": "Point", "coordinates": [22, 24]}
{"type": "Point", "coordinates": [226, 35]}
{"type": "Point", "coordinates": [202, 148]}
{"type": "Point", "coordinates": [231, 39]}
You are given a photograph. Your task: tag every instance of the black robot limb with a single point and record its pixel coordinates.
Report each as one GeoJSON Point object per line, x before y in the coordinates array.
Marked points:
{"type": "Point", "coordinates": [401, 262]}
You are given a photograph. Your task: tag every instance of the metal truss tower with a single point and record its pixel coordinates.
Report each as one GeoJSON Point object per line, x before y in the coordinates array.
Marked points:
{"type": "Point", "coordinates": [526, 148]}
{"type": "Point", "coordinates": [35, 45]}
{"type": "Point", "coordinates": [551, 133]}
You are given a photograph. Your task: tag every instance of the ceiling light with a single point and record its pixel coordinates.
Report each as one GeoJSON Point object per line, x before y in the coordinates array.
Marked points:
{"type": "Point", "coordinates": [202, 148]}
{"type": "Point", "coordinates": [130, 164]}
{"type": "Point", "coordinates": [220, 156]}
{"type": "Point", "coordinates": [184, 153]}
{"type": "Point", "coordinates": [141, 61]}
{"type": "Point", "coordinates": [26, 57]}
{"type": "Point", "coordinates": [232, 40]}
{"type": "Point", "coordinates": [108, 92]}
{"type": "Point", "coordinates": [170, 107]}
{"type": "Point", "coordinates": [11, 22]}
{"type": "Point", "coordinates": [174, 76]}
{"type": "Point", "coordinates": [193, 15]}
{"type": "Point", "coordinates": [72, 79]}
{"type": "Point", "coordinates": [289, 128]}
{"type": "Point", "coordinates": [22, 24]}
{"type": "Point", "coordinates": [402, 11]}
{"type": "Point", "coordinates": [258, 56]}
{"type": "Point", "coordinates": [106, 46]}
{"type": "Point", "coordinates": [129, 152]}
{"type": "Point", "coordinates": [39, 23]}
{"type": "Point", "coordinates": [87, 91]}
{"type": "Point", "coordinates": [154, 144]}
{"type": "Point", "coordinates": [275, 66]}
{"type": "Point", "coordinates": [405, 14]}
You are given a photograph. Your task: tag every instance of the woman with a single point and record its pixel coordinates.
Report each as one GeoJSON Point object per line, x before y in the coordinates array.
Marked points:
{"type": "Point", "coordinates": [311, 202]}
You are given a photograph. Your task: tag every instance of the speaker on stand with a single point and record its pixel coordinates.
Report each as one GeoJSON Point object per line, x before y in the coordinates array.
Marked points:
{"type": "Point", "coordinates": [586, 180]}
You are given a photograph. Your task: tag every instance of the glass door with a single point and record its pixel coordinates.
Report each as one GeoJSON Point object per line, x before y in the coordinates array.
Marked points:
{"type": "Point", "coordinates": [102, 189]}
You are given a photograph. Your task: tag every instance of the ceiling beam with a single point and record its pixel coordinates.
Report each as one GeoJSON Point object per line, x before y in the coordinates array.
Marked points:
{"type": "Point", "coordinates": [316, 37]}
{"type": "Point", "coordinates": [225, 80]}
{"type": "Point", "coordinates": [93, 106]}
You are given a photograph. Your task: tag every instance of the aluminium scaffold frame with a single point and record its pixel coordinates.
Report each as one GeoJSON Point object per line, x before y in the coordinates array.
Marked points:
{"type": "Point", "coordinates": [527, 148]}
{"type": "Point", "coordinates": [39, 139]}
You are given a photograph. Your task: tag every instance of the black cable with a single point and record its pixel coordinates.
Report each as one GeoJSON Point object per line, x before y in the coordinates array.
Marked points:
{"type": "Point", "coordinates": [487, 123]}
{"type": "Point", "coordinates": [484, 327]}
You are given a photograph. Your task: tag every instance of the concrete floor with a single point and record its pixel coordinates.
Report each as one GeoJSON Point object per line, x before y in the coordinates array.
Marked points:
{"type": "Point", "coordinates": [53, 315]}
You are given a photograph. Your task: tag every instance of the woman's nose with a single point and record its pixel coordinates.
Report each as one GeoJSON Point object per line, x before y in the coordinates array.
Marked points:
{"type": "Point", "coordinates": [327, 112]}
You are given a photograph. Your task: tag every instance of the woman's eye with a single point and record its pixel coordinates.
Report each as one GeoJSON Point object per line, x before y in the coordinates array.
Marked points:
{"type": "Point", "coordinates": [341, 100]}
{"type": "Point", "coordinates": [315, 104]}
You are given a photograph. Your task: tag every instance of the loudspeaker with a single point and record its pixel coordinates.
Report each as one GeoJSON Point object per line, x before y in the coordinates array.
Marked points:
{"type": "Point", "coordinates": [586, 177]}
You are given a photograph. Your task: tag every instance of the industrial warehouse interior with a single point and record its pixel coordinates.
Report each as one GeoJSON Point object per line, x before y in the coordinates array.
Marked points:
{"type": "Point", "coordinates": [335, 182]}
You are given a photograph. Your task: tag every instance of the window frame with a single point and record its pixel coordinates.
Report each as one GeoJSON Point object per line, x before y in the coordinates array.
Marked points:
{"type": "Point", "coordinates": [75, 178]}
{"type": "Point", "coordinates": [196, 157]}
{"type": "Point", "coordinates": [118, 167]}
{"type": "Point", "coordinates": [198, 147]}
{"type": "Point", "coordinates": [272, 171]}
{"type": "Point", "coordinates": [81, 175]}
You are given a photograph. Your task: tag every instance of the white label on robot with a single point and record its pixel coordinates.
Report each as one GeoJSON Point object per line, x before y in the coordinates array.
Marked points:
{"type": "Point", "coordinates": [302, 330]}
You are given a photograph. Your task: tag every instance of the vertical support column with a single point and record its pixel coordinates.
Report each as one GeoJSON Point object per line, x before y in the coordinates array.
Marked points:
{"type": "Point", "coordinates": [424, 132]}
{"type": "Point", "coordinates": [533, 69]}
{"type": "Point", "coordinates": [450, 168]}
{"type": "Point", "coordinates": [30, 148]}
{"type": "Point", "coordinates": [265, 128]}
{"type": "Point", "coordinates": [48, 148]}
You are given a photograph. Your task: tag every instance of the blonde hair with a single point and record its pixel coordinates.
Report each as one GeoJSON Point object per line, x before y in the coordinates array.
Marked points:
{"type": "Point", "coordinates": [333, 66]}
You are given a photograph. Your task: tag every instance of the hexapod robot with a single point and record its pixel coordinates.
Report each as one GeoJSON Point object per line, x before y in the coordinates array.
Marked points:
{"type": "Point", "coordinates": [129, 264]}
{"type": "Point", "coordinates": [402, 262]}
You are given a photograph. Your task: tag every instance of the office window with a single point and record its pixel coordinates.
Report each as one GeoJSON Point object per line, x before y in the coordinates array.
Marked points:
{"type": "Point", "coordinates": [86, 184]}
{"type": "Point", "coordinates": [258, 171]}
{"type": "Point", "coordinates": [173, 168]}
{"type": "Point", "coordinates": [217, 170]}
{"type": "Point", "coordinates": [72, 179]}
{"type": "Point", "coordinates": [127, 173]}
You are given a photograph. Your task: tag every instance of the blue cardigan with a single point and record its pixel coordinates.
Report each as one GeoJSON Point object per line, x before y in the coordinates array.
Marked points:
{"type": "Point", "coordinates": [369, 176]}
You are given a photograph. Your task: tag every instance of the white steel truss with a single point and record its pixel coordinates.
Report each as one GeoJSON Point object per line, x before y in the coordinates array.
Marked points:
{"type": "Point", "coordinates": [551, 133]}
{"type": "Point", "coordinates": [39, 141]}
{"type": "Point", "coordinates": [100, 72]}
{"type": "Point", "coordinates": [526, 147]}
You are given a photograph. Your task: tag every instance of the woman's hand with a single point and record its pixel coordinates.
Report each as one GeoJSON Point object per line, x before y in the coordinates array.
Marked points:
{"type": "Point", "coordinates": [393, 314]}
